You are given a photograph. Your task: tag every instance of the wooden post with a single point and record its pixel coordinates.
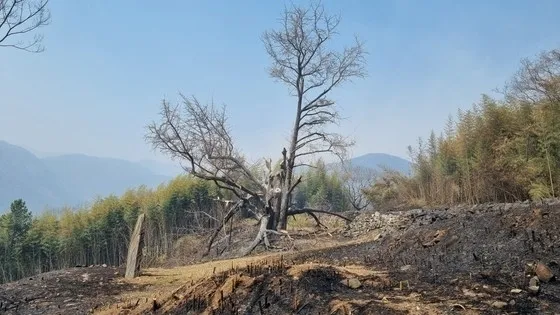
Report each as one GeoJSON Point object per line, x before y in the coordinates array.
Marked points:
{"type": "Point", "coordinates": [135, 249]}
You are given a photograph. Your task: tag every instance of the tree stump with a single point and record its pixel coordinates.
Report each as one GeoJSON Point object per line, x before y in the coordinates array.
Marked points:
{"type": "Point", "coordinates": [135, 249]}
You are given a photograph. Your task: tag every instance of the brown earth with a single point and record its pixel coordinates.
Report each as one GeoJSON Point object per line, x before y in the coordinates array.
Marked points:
{"type": "Point", "coordinates": [464, 260]}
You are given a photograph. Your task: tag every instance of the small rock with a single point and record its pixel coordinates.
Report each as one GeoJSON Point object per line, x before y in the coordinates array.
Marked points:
{"type": "Point", "coordinates": [543, 272]}
{"type": "Point", "coordinates": [512, 302]}
{"type": "Point", "coordinates": [499, 304]}
{"type": "Point", "coordinates": [104, 265]}
{"type": "Point", "coordinates": [406, 268]}
{"type": "Point", "coordinates": [534, 282]}
{"type": "Point", "coordinates": [469, 293]}
{"type": "Point", "coordinates": [352, 283]}
{"type": "Point", "coordinates": [516, 291]}
{"type": "Point", "coordinates": [534, 289]}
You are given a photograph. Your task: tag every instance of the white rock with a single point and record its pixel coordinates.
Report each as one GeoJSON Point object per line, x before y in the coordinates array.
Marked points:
{"type": "Point", "coordinates": [499, 304]}
{"type": "Point", "coordinates": [352, 283]}
{"type": "Point", "coordinates": [534, 289]}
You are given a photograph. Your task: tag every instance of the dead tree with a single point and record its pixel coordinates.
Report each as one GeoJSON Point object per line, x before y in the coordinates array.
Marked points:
{"type": "Point", "coordinates": [198, 134]}
{"type": "Point", "coordinates": [537, 80]}
{"type": "Point", "coordinates": [302, 60]}
{"type": "Point", "coordinates": [19, 18]}
{"type": "Point", "coordinates": [356, 181]}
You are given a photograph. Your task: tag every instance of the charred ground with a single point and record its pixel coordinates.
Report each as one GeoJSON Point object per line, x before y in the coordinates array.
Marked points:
{"type": "Point", "coordinates": [464, 260]}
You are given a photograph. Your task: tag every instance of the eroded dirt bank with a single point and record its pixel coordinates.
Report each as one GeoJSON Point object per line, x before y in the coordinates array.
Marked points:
{"type": "Point", "coordinates": [464, 260]}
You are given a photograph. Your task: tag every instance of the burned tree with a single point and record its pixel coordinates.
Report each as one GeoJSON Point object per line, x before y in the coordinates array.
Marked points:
{"type": "Point", "coordinates": [198, 134]}
{"type": "Point", "coordinates": [302, 60]}
{"type": "Point", "coordinates": [19, 18]}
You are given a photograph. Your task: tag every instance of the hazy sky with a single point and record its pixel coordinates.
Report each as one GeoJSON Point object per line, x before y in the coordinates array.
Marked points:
{"type": "Point", "coordinates": [108, 64]}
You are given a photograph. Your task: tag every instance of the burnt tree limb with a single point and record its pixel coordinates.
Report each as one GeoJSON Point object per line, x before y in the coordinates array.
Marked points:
{"type": "Point", "coordinates": [313, 211]}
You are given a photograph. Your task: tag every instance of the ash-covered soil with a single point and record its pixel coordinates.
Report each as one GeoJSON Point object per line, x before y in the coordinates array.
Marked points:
{"type": "Point", "coordinates": [78, 290]}
{"type": "Point", "coordinates": [462, 260]}
{"type": "Point", "coordinates": [472, 260]}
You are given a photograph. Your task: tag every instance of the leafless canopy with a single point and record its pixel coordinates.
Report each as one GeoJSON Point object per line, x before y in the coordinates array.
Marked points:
{"type": "Point", "coordinates": [303, 61]}
{"type": "Point", "coordinates": [19, 18]}
{"type": "Point", "coordinates": [198, 135]}
{"type": "Point", "coordinates": [537, 80]}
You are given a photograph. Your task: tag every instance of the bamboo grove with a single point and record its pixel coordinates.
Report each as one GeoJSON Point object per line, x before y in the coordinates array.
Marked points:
{"type": "Point", "coordinates": [99, 233]}
{"type": "Point", "coordinates": [500, 150]}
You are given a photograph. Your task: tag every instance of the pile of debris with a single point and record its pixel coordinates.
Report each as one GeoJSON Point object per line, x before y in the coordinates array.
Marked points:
{"type": "Point", "coordinates": [375, 222]}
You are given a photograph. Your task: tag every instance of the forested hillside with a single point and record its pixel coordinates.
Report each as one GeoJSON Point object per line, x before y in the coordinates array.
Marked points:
{"type": "Point", "coordinates": [503, 149]}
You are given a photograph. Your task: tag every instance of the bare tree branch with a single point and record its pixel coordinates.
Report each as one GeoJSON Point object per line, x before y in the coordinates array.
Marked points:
{"type": "Point", "coordinates": [537, 80]}
{"type": "Point", "coordinates": [199, 134]}
{"type": "Point", "coordinates": [356, 181]}
{"type": "Point", "coordinates": [20, 17]}
{"type": "Point", "coordinates": [234, 208]}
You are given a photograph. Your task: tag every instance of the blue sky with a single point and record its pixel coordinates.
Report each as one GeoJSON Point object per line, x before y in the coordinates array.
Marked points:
{"type": "Point", "coordinates": [108, 64]}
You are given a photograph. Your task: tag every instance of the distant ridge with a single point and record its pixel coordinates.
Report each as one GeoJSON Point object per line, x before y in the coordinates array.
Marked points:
{"type": "Point", "coordinates": [69, 179]}
{"type": "Point", "coordinates": [378, 161]}
{"type": "Point", "coordinates": [72, 179]}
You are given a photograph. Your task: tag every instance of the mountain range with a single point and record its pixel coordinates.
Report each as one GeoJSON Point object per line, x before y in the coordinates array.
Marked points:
{"type": "Point", "coordinates": [54, 181]}
{"type": "Point", "coordinates": [70, 179]}
{"type": "Point", "coordinates": [381, 161]}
